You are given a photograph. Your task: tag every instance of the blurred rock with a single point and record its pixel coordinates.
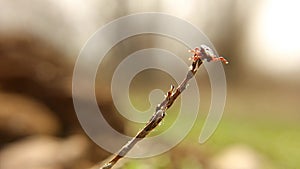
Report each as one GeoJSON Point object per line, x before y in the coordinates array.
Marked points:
{"type": "Point", "coordinates": [44, 152]}
{"type": "Point", "coordinates": [237, 157]}
{"type": "Point", "coordinates": [32, 67]}
{"type": "Point", "coordinates": [36, 99]}
{"type": "Point", "coordinates": [21, 116]}
{"type": "Point", "coordinates": [25, 57]}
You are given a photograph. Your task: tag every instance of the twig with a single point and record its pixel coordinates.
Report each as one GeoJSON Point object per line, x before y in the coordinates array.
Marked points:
{"type": "Point", "coordinates": [204, 53]}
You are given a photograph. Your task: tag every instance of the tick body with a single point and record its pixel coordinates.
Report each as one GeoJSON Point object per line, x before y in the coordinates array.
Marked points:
{"type": "Point", "coordinates": [206, 53]}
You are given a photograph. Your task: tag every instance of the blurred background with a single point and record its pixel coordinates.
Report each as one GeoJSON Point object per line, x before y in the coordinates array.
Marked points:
{"type": "Point", "coordinates": [39, 44]}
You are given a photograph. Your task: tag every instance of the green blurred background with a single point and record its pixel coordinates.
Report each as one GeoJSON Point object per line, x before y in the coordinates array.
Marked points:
{"type": "Point", "coordinates": [39, 43]}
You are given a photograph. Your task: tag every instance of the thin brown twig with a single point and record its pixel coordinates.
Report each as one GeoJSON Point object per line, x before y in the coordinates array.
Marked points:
{"type": "Point", "coordinates": [204, 53]}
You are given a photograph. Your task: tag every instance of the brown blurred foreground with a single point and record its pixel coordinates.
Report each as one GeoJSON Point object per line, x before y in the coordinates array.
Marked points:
{"type": "Point", "coordinates": [38, 125]}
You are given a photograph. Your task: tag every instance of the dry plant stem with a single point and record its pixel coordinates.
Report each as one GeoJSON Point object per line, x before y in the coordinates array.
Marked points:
{"type": "Point", "coordinates": [159, 114]}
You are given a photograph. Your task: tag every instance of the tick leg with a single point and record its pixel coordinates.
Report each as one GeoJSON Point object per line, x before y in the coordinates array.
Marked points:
{"type": "Point", "coordinates": [223, 60]}
{"type": "Point", "coordinates": [220, 59]}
